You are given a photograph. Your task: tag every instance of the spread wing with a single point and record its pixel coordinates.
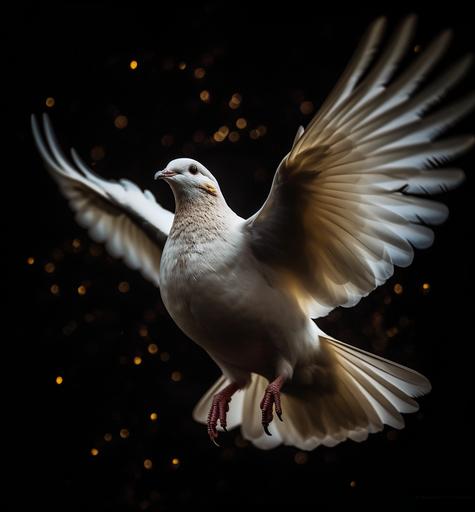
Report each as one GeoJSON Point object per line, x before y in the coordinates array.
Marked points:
{"type": "Point", "coordinates": [130, 222]}
{"type": "Point", "coordinates": [347, 203]}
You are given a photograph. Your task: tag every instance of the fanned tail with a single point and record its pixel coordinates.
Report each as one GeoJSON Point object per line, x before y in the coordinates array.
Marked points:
{"type": "Point", "coordinates": [364, 393]}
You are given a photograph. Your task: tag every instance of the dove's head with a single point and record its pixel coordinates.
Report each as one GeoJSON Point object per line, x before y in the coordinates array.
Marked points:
{"type": "Point", "coordinates": [188, 178]}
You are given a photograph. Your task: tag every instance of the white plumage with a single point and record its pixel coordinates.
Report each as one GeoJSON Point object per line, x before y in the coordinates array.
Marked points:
{"type": "Point", "coordinates": [345, 207]}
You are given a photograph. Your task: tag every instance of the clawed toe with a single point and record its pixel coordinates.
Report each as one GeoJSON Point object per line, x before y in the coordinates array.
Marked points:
{"type": "Point", "coordinates": [271, 399]}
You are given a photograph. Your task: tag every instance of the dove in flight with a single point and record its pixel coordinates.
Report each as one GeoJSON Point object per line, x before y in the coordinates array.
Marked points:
{"type": "Point", "coordinates": [347, 205]}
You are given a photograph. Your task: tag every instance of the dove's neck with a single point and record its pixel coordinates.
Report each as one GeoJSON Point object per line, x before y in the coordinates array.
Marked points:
{"type": "Point", "coordinates": [202, 217]}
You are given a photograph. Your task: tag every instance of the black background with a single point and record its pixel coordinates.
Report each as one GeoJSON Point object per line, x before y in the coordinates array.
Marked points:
{"type": "Point", "coordinates": [79, 53]}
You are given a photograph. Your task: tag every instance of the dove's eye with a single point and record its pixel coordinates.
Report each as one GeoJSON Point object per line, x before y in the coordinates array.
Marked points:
{"type": "Point", "coordinates": [193, 169]}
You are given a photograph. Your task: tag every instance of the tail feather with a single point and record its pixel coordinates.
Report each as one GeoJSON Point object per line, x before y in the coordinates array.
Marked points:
{"type": "Point", "coordinates": [368, 392]}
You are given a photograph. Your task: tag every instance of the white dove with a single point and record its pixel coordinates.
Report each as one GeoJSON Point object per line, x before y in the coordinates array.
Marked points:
{"type": "Point", "coordinates": [345, 207]}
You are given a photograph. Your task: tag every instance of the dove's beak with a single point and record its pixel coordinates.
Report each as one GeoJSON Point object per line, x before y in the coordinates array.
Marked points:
{"type": "Point", "coordinates": [166, 173]}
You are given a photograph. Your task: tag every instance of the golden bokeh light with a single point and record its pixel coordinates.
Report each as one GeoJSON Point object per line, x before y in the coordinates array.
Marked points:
{"type": "Point", "coordinates": [123, 287]}
{"type": "Point", "coordinates": [306, 107]}
{"type": "Point", "coordinates": [199, 73]}
{"type": "Point", "coordinates": [205, 96]}
{"type": "Point", "coordinates": [241, 123]}
{"type": "Point", "coordinates": [82, 290]}
{"type": "Point", "coordinates": [121, 122]}
{"type": "Point", "coordinates": [124, 433]}
{"type": "Point", "coordinates": [154, 416]}
{"type": "Point", "coordinates": [50, 268]}
{"type": "Point", "coordinates": [152, 348]}
{"type": "Point", "coordinates": [398, 289]}
{"type": "Point", "coordinates": [137, 360]}
{"type": "Point", "coordinates": [176, 376]}
{"type": "Point", "coordinates": [50, 101]}
{"type": "Point", "coordinates": [133, 65]}
{"type": "Point", "coordinates": [30, 260]}
{"type": "Point", "coordinates": [94, 452]}
{"type": "Point", "coordinates": [59, 380]}
{"type": "Point", "coordinates": [147, 464]}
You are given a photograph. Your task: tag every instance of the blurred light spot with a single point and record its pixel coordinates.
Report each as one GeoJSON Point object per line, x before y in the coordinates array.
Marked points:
{"type": "Point", "coordinates": [108, 437]}
{"type": "Point", "coordinates": [82, 290]}
{"type": "Point", "coordinates": [147, 464]}
{"type": "Point", "coordinates": [261, 130]}
{"type": "Point", "coordinates": [387, 300]}
{"type": "Point", "coordinates": [50, 102]}
{"type": "Point", "coordinates": [30, 260]}
{"type": "Point", "coordinates": [133, 64]}
{"type": "Point", "coordinates": [50, 268]}
{"type": "Point", "coordinates": [97, 153]}
{"type": "Point", "coordinates": [398, 289]}
{"type": "Point", "coordinates": [218, 137]}
{"type": "Point", "coordinates": [234, 136]}
{"type": "Point", "coordinates": [137, 360]}
{"type": "Point", "coordinates": [69, 328]}
{"type": "Point", "coordinates": [205, 96]}
{"type": "Point", "coordinates": [175, 462]}
{"type": "Point", "coordinates": [199, 136]}
{"type": "Point", "coordinates": [165, 356]}
{"type": "Point", "coordinates": [168, 64]}
{"type": "Point", "coordinates": [121, 122]}
{"type": "Point", "coordinates": [124, 433]}
{"type": "Point", "coordinates": [353, 483]}
{"type": "Point", "coordinates": [306, 107]}
{"type": "Point", "coordinates": [254, 134]}
{"type": "Point", "coordinates": [199, 73]}
{"type": "Point", "coordinates": [76, 243]}
{"type": "Point", "coordinates": [59, 380]}
{"type": "Point", "coordinates": [224, 130]}
{"type": "Point", "coordinates": [54, 289]}
{"type": "Point", "coordinates": [301, 458]}
{"type": "Point", "coordinates": [176, 376]}
{"type": "Point", "coordinates": [152, 348]}
{"type": "Point", "coordinates": [391, 332]}
{"type": "Point", "coordinates": [94, 452]}
{"type": "Point", "coordinates": [182, 66]}
{"type": "Point", "coordinates": [154, 416]}
{"type": "Point", "coordinates": [207, 59]}
{"type": "Point", "coordinates": [143, 331]}
{"type": "Point", "coordinates": [235, 101]}
{"type": "Point", "coordinates": [426, 287]}
{"type": "Point", "coordinates": [167, 140]}
{"type": "Point", "coordinates": [417, 48]}
{"type": "Point", "coordinates": [241, 123]}
{"type": "Point", "coordinates": [123, 287]}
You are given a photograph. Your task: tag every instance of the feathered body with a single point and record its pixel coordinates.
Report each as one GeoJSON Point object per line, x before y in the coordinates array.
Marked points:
{"type": "Point", "coordinates": [224, 299]}
{"type": "Point", "coordinates": [344, 209]}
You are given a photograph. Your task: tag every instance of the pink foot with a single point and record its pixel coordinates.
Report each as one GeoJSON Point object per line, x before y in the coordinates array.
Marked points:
{"type": "Point", "coordinates": [271, 398]}
{"type": "Point", "coordinates": [218, 410]}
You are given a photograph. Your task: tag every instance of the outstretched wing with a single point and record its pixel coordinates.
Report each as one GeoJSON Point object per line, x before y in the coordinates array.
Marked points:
{"type": "Point", "coordinates": [346, 204]}
{"type": "Point", "coordinates": [130, 222]}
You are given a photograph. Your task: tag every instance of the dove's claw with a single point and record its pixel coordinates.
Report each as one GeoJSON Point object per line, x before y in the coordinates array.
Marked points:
{"type": "Point", "coordinates": [271, 398]}
{"type": "Point", "coordinates": [214, 441]}
{"type": "Point", "coordinates": [218, 410]}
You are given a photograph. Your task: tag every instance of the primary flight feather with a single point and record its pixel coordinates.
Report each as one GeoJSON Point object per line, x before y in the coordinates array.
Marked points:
{"type": "Point", "coordinates": [345, 207]}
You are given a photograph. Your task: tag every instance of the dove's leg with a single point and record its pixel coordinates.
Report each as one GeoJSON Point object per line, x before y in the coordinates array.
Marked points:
{"type": "Point", "coordinates": [271, 398]}
{"type": "Point", "coordinates": [219, 408]}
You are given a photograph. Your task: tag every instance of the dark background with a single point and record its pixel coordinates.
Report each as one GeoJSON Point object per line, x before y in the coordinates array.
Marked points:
{"type": "Point", "coordinates": [275, 58]}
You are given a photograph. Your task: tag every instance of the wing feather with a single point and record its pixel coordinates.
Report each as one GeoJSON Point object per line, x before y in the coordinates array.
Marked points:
{"type": "Point", "coordinates": [130, 222]}
{"type": "Point", "coordinates": [346, 203]}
